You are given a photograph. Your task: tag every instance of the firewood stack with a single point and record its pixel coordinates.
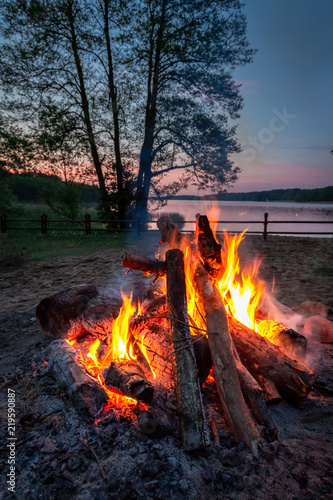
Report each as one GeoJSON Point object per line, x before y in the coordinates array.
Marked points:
{"type": "Point", "coordinates": [247, 366]}
{"type": "Point", "coordinates": [250, 371]}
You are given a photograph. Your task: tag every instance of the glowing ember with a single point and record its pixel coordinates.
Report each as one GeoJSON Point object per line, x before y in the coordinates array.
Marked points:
{"type": "Point", "coordinates": [122, 349]}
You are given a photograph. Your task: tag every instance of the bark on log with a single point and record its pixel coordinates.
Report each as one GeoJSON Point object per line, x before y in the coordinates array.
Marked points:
{"type": "Point", "coordinates": [272, 395]}
{"type": "Point", "coordinates": [192, 418]}
{"type": "Point", "coordinates": [293, 343]}
{"type": "Point", "coordinates": [66, 366]}
{"type": "Point", "coordinates": [127, 378]}
{"type": "Point", "coordinates": [293, 380]}
{"type": "Point", "coordinates": [225, 371]}
{"type": "Point", "coordinates": [143, 264]}
{"type": "Point", "coordinates": [171, 234]}
{"type": "Point", "coordinates": [59, 312]}
{"type": "Point", "coordinates": [256, 397]}
{"type": "Point", "coordinates": [209, 249]}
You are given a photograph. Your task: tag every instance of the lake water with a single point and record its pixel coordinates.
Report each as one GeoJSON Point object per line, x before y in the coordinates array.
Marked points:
{"type": "Point", "coordinates": [250, 215]}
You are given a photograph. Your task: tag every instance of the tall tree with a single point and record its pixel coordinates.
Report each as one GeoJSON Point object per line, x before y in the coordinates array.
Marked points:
{"type": "Point", "coordinates": [186, 52]}
{"type": "Point", "coordinates": [143, 87]}
{"type": "Point", "coordinates": [53, 66]}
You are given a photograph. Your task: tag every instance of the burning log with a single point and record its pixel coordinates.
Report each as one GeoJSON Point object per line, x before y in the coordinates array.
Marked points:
{"type": "Point", "coordinates": [292, 342]}
{"type": "Point", "coordinates": [193, 423]}
{"type": "Point", "coordinates": [59, 313]}
{"type": "Point", "coordinates": [171, 234]}
{"type": "Point", "coordinates": [293, 380]}
{"type": "Point", "coordinates": [127, 378]}
{"type": "Point", "coordinates": [225, 371]}
{"type": "Point", "coordinates": [208, 248]}
{"type": "Point", "coordinates": [143, 264]}
{"type": "Point", "coordinates": [66, 366]}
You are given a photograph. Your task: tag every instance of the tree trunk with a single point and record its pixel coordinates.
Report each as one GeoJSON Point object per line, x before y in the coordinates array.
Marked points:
{"type": "Point", "coordinates": [146, 155]}
{"type": "Point", "coordinates": [122, 198]}
{"type": "Point", "coordinates": [86, 117]}
{"type": "Point", "coordinates": [225, 370]}
{"type": "Point", "coordinates": [191, 411]}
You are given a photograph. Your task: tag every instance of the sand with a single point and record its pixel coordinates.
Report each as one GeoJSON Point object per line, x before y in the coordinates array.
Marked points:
{"type": "Point", "coordinates": [288, 265]}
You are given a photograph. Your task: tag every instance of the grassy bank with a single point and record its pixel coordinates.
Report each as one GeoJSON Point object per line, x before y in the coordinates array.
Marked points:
{"type": "Point", "coordinates": [30, 244]}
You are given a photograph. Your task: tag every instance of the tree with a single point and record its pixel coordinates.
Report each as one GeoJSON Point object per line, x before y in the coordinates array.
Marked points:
{"type": "Point", "coordinates": [186, 52]}
{"type": "Point", "coordinates": [143, 88]}
{"type": "Point", "coordinates": [53, 68]}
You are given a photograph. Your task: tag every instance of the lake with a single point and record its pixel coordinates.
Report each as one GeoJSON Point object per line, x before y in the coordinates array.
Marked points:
{"type": "Point", "coordinates": [250, 215]}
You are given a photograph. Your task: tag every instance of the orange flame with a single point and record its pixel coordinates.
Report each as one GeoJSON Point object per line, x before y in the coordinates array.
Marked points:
{"type": "Point", "coordinates": [122, 348]}
{"type": "Point", "coordinates": [241, 291]}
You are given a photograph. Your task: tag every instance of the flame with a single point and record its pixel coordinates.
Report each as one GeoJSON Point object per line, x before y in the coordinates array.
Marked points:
{"type": "Point", "coordinates": [241, 291]}
{"type": "Point", "coordinates": [122, 348]}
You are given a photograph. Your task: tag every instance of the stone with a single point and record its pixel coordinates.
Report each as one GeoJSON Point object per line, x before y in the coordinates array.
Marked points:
{"type": "Point", "coordinates": [183, 485]}
{"type": "Point", "coordinates": [319, 328]}
{"type": "Point", "coordinates": [49, 446]}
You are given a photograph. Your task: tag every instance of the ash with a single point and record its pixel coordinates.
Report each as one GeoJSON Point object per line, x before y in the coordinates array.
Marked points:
{"type": "Point", "coordinates": [59, 456]}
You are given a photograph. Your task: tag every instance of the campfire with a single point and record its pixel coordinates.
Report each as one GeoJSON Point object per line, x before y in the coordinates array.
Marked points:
{"type": "Point", "coordinates": [204, 319]}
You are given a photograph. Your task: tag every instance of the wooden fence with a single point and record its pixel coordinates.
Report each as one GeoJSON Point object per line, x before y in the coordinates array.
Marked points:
{"type": "Point", "coordinates": [88, 225]}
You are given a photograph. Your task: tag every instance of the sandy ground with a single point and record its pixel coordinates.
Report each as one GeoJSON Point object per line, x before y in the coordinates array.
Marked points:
{"type": "Point", "coordinates": [53, 463]}
{"type": "Point", "coordinates": [288, 263]}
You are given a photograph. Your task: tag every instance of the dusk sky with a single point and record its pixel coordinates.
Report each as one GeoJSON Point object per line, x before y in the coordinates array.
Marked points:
{"type": "Point", "coordinates": [288, 94]}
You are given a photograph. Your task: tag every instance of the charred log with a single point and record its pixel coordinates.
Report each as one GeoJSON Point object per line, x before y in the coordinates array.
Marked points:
{"type": "Point", "coordinates": [171, 234]}
{"type": "Point", "coordinates": [66, 366]}
{"type": "Point", "coordinates": [225, 370]}
{"type": "Point", "coordinates": [256, 397]}
{"type": "Point", "coordinates": [272, 395]}
{"type": "Point", "coordinates": [143, 264]}
{"type": "Point", "coordinates": [127, 378]}
{"type": "Point", "coordinates": [192, 418]}
{"type": "Point", "coordinates": [293, 343]}
{"type": "Point", "coordinates": [208, 248]}
{"type": "Point", "coordinates": [293, 380]}
{"type": "Point", "coordinates": [60, 312]}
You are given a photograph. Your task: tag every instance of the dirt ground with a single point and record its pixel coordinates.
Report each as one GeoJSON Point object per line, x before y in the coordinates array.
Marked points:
{"type": "Point", "coordinates": [52, 461]}
{"type": "Point", "coordinates": [289, 263]}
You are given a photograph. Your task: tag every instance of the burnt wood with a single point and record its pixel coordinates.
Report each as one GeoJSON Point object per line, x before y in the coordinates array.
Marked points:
{"type": "Point", "coordinates": [256, 397]}
{"type": "Point", "coordinates": [65, 364]}
{"type": "Point", "coordinates": [193, 425]}
{"type": "Point", "coordinates": [225, 370]}
{"type": "Point", "coordinates": [292, 379]}
{"type": "Point", "coordinates": [293, 343]}
{"type": "Point", "coordinates": [171, 234]}
{"type": "Point", "coordinates": [127, 378]}
{"type": "Point", "coordinates": [59, 313]}
{"type": "Point", "coordinates": [209, 249]}
{"type": "Point", "coordinates": [143, 264]}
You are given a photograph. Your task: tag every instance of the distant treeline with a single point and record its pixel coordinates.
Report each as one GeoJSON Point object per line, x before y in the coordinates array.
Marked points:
{"type": "Point", "coordinates": [28, 188]}
{"type": "Point", "coordinates": [298, 195]}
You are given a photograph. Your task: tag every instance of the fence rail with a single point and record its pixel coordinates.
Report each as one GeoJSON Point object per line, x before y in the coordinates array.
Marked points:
{"type": "Point", "coordinates": [139, 225]}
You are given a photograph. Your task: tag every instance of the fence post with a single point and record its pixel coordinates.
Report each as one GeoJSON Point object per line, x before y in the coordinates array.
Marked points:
{"type": "Point", "coordinates": [265, 225]}
{"type": "Point", "coordinates": [43, 220]}
{"type": "Point", "coordinates": [88, 223]}
{"type": "Point", "coordinates": [4, 227]}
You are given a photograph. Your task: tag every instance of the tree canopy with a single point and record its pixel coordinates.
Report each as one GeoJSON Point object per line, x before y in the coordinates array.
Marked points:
{"type": "Point", "coordinates": [138, 94]}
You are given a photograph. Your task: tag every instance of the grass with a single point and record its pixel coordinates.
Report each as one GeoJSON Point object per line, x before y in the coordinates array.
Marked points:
{"type": "Point", "coordinates": [29, 243]}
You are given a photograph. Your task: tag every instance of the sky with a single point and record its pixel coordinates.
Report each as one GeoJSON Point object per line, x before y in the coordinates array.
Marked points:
{"type": "Point", "coordinates": [286, 125]}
